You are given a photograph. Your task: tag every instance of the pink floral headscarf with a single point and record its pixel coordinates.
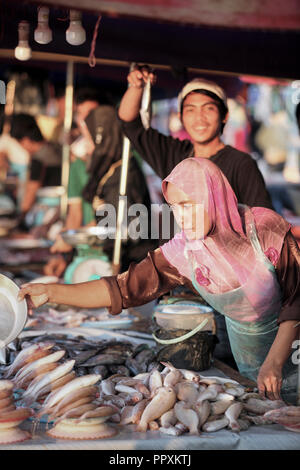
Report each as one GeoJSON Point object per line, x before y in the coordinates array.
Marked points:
{"type": "Point", "coordinates": [224, 259]}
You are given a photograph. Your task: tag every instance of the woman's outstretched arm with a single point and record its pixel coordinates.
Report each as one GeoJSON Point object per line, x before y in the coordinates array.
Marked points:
{"type": "Point", "coordinates": [143, 282]}
{"type": "Point", "coordinates": [92, 294]}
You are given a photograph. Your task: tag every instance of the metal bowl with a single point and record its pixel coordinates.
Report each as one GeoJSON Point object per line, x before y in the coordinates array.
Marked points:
{"type": "Point", "coordinates": [13, 314]}
{"type": "Point", "coordinates": [25, 243]}
{"type": "Point", "coordinates": [87, 236]}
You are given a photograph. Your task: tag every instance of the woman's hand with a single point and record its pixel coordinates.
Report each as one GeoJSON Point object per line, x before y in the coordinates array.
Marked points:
{"type": "Point", "coordinates": [269, 380]}
{"type": "Point", "coordinates": [35, 294]}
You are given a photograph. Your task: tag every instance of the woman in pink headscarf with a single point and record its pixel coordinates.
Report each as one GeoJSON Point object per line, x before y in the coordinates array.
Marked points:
{"type": "Point", "coordinates": [243, 261]}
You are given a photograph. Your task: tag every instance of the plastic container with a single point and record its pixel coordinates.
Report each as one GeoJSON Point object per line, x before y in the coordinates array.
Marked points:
{"type": "Point", "coordinates": [13, 313]}
{"type": "Point", "coordinates": [184, 316]}
{"type": "Point", "coordinates": [182, 337]}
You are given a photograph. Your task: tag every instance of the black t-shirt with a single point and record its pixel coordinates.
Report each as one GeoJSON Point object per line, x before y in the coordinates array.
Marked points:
{"type": "Point", "coordinates": [47, 175]}
{"type": "Point", "coordinates": [163, 153]}
{"type": "Point", "coordinates": [45, 165]}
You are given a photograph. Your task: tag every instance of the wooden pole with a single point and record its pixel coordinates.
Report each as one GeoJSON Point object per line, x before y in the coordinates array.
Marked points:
{"type": "Point", "coordinates": [56, 57]}
{"type": "Point", "coordinates": [66, 144]}
{"type": "Point", "coordinates": [121, 206]}
{"type": "Point", "coordinates": [116, 264]}
{"type": "Point", "coordinates": [8, 111]}
{"type": "Point", "coordinates": [9, 105]}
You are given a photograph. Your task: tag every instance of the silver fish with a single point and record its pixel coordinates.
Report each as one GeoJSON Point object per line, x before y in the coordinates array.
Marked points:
{"type": "Point", "coordinates": [187, 391]}
{"type": "Point", "coordinates": [138, 410]}
{"type": "Point", "coordinates": [219, 407]}
{"type": "Point", "coordinates": [74, 395]}
{"type": "Point", "coordinates": [104, 360]}
{"type": "Point", "coordinates": [107, 387]}
{"type": "Point", "coordinates": [224, 396]}
{"type": "Point", "coordinates": [216, 425]}
{"type": "Point", "coordinates": [127, 415]}
{"type": "Point", "coordinates": [145, 110]}
{"type": "Point", "coordinates": [243, 424]}
{"type": "Point", "coordinates": [163, 401]}
{"type": "Point", "coordinates": [171, 430]}
{"type": "Point", "coordinates": [54, 357]}
{"type": "Point", "coordinates": [172, 378]}
{"type": "Point", "coordinates": [75, 384]}
{"type": "Point", "coordinates": [210, 393]}
{"type": "Point", "coordinates": [129, 390]}
{"type": "Point", "coordinates": [113, 400]}
{"type": "Point", "coordinates": [168, 419]}
{"type": "Point", "coordinates": [153, 426]}
{"type": "Point", "coordinates": [32, 393]}
{"type": "Point", "coordinates": [203, 409]}
{"type": "Point", "coordinates": [232, 413]}
{"type": "Point", "coordinates": [155, 381]}
{"type": "Point", "coordinates": [261, 406]}
{"type": "Point", "coordinates": [235, 391]}
{"type": "Point", "coordinates": [287, 416]}
{"type": "Point", "coordinates": [259, 420]}
{"type": "Point", "coordinates": [27, 355]}
{"type": "Point", "coordinates": [187, 416]}
{"type": "Point", "coordinates": [248, 395]}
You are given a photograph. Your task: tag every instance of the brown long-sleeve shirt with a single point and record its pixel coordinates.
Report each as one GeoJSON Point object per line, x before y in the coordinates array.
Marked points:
{"type": "Point", "coordinates": [155, 276]}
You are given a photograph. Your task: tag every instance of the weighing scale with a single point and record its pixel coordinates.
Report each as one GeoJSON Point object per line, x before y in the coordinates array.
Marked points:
{"type": "Point", "coordinates": [90, 262]}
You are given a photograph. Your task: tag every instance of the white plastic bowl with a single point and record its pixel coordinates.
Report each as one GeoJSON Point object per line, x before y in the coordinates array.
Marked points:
{"type": "Point", "coordinates": [13, 314]}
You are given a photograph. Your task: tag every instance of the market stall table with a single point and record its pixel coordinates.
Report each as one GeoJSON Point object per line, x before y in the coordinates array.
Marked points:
{"type": "Point", "coordinates": [268, 437]}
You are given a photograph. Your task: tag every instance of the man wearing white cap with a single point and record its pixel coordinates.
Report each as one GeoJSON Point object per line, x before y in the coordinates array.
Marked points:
{"type": "Point", "coordinates": [202, 107]}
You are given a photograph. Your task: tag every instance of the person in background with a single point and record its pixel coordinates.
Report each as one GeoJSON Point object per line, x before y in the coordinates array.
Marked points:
{"type": "Point", "coordinates": [94, 181]}
{"type": "Point", "coordinates": [243, 261]}
{"type": "Point", "coordinates": [14, 161]}
{"type": "Point", "coordinates": [80, 212]}
{"type": "Point", "coordinates": [203, 111]}
{"type": "Point", "coordinates": [45, 158]}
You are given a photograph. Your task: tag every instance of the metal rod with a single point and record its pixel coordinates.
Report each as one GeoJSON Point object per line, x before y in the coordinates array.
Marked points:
{"type": "Point", "coordinates": [8, 111]}
{"type": "Point", "coordinates": [53, 57]}
{"type": "Point", "coordinates": [66, 145]}
{"type": "Point", "coordinates": [9, 105]}
{"type": "Point", "coordinates": [116, 264]}
{"type": "Point", "coordinates": [121, 206]}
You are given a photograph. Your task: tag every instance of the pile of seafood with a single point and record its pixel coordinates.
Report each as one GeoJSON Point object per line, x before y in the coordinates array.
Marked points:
{"type": "Point", "coordinates": [11, 416]}
{"type": "Point", "coordinates": [92, 356]}
{"type": "Point", "coordinates": [51, 388]}
{"type": "Point", "coordinates": [177, 401]}
{"type": "Point", "coordinates": [75, 412]}
{"type": "Point", "coordinates": [71, 317]}
{"type": "Point", "coordinates": [139, 392]}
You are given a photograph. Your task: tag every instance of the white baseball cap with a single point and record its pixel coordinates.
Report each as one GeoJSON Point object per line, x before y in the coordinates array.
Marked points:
{"type": "Point", "coordinates": [201, 84]}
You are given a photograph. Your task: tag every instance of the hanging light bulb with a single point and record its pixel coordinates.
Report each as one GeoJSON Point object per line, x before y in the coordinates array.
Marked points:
{"type": "Point", "coordinates": [43, 34]}
{"type": "Point", "coordinates": [23, 51]}
{"type": "Point", "coordinates": [75, 34]}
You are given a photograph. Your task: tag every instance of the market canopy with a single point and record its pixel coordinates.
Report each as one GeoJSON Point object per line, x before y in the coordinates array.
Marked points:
{"type": "Point", "coordinates": [244, 37]}
{"type": "Point", "coordinates": [264, 14]}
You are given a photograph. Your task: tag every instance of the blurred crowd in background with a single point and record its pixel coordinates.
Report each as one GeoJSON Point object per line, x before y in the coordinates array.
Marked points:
{"type": "Point", "coordinates": [262, 122]}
